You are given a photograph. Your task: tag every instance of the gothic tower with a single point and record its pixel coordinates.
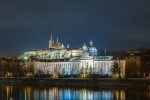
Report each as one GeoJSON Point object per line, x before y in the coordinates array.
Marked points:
{"type": "Point", "coordinates": [51, 41]}
{"type": "Point", "coordinates": [58, 44]}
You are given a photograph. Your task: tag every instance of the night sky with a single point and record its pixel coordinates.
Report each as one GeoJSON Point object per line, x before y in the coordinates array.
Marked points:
{"type": "Point", "coordinates": [111, 24]}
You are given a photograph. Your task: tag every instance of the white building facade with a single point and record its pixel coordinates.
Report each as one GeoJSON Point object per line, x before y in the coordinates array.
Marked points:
{"type": "Point", "coordinates": [84, 66]}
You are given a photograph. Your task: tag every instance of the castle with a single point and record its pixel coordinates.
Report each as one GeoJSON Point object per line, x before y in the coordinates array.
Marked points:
{"type": "Point", "coordinates": [61, 60]}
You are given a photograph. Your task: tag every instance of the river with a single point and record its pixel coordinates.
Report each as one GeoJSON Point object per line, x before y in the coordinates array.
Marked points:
{"type": "Point", "coordinates": [36, 92]}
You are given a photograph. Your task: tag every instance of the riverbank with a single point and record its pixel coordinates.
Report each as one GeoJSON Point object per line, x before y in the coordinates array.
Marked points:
{"type": "Point", "coordinates": [136, 82]}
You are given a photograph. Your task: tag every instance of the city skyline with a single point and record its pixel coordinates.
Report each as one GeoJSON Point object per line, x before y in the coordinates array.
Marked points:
{"type": "Point", "coordinates": [74, 49]}
{"type": "Point", "coordinates": [112, 25]}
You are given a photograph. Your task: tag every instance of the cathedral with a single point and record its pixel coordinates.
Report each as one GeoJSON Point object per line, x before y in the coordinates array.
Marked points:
{"type": "Point", "coordinates": [55, 45]}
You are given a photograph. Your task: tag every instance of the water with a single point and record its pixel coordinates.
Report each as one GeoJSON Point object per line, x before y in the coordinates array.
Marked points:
{"type": "Point", "coordinates": [31, 92]}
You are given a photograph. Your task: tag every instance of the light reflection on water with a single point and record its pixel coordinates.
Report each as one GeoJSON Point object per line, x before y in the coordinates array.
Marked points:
{"type": "Point", "coordinates": [20, 92]}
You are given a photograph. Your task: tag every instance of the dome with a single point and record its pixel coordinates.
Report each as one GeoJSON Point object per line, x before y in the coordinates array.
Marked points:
{"type": "Point", "coordinates": [92, 51]}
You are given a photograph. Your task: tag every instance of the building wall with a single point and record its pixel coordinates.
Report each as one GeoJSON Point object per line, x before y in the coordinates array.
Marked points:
{"type": "Point", "coordinates": [78, 67]}
{"type": "Point", "coordinates": [133, 64]}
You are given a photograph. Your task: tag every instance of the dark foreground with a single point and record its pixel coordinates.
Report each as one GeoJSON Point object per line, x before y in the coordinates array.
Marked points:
{"type": "Point", "coordinates": [80, 82]}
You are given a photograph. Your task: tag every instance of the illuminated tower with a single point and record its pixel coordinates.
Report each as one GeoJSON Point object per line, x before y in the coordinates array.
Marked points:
{"type": "Point", "coordinates": [68, 46]}
{"type": "Point", "coordinates": [84, 47]}
{"type": "Point", "coordinates": [57, 40]}
{"type": "Point", "coordinates": [51, 41]}
{"type": "Point", "coordinates": [58, 44]}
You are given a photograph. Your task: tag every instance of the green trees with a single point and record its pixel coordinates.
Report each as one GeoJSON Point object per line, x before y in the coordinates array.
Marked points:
{"type": "Point", "coordinates": [116, 70]}
{"type": "Point", "coordinates": [11, 67]}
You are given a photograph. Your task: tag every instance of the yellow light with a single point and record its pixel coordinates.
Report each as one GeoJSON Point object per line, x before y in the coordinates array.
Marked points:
{"type": "Point", "coordinates": [83, 75]}
{"type": "Point", "coordinates": [54, 76]}
{"type": "Point", "coordinates": [29, 74]}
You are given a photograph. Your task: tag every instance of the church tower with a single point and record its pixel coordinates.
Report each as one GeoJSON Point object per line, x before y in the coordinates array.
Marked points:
{"type": "Point", "coordinates": [51, 41]}
{"type": "Point", "coordinates": [58, 44]}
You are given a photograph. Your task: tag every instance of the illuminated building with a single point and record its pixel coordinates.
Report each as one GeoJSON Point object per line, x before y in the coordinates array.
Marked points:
{"type": "Point", "coordinates": [59, 60]}
{"type": "Point", "coordinates": [55, 45]}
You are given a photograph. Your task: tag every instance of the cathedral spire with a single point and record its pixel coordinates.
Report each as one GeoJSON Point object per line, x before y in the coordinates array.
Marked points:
{"type": "Point", "coordinates": [51, 38]}
{"type": "Point", "coordinates": [62, 45]}
{"type": "Point", "coordinates": [57, 40]}
{"type": "Point", "coordinates": [84, 47]}
{"type": "Point", "coordinates": [68, 46]}
{"type": "Point", "coordinates": [51, 41]}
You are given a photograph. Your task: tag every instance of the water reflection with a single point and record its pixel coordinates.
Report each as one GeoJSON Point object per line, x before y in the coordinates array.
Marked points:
{"type": "Point", "coordinates": [20, 92]}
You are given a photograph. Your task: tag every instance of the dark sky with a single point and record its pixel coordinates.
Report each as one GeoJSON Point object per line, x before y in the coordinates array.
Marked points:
{"type": "Point", "coordinates": [112, 24]}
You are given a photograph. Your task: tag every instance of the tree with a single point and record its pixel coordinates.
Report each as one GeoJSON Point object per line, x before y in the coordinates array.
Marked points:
{"type": "Point", "coordinates": [116, 69]}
